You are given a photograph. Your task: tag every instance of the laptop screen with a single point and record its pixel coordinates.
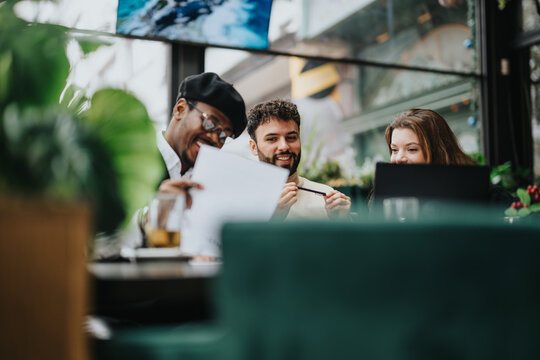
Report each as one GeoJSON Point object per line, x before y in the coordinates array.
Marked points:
{"type": "Point", "coordinates": [460, 183]}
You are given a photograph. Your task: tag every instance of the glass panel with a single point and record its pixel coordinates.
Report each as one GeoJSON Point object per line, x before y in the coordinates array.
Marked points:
{"type": "Point", "coordinates": [346, 108]}
{"type": "Point", "coordinates": [139, 66]}
{"type": "Point", "coordinates": [535, 96]}
{"type": "Point", "coordinates": [426, 33]}
{"type": "Point", "coordinates": [531, 17]}
{"type": "Point", "coordinates": [97, 15]}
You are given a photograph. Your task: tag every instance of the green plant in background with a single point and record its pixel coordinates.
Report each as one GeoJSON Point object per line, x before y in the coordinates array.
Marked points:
{"type": "Point", "coordinates": [310, 155]}
{"type": "Point", "coordinates": [327, 173]}
{"type": "Point", "coordinates": [478, 157]}
{"type": "Point", "coordinates": [330, 171]}
{"type": "Point", "coordinates": [101, 150]}
{"type": "Point", "coordinates": [504, 175]}
{"type": "Point", "coordinates": [509, 178]}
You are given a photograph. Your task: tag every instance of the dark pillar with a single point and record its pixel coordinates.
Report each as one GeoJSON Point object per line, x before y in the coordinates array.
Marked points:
{"type": "Point", "coordinates": [505, 86]}
{"type": "Point", "coordinates": [185, 60]}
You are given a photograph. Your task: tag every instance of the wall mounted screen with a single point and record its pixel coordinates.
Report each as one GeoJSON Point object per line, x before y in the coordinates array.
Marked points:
{"type": "Point", "coordinates": [235, 23]}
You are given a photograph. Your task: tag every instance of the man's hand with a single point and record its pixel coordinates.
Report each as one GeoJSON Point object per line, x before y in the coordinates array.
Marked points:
{"type": "Point", "coordinates": [287, 199]}
{"type": "Point", "coordinates": [180, 186]}
{"type": "Point", "coordinates": [337, 205]}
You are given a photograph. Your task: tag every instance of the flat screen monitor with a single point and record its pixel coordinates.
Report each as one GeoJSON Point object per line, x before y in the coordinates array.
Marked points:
{"type": "Point", "coordinates": [233, 23]}
{"type": "Point", "coordinates": [438, 182]}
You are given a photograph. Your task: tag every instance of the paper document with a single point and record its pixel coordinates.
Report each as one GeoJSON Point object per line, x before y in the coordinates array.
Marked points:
{"type": "Point", "coordinates": [235, 189]}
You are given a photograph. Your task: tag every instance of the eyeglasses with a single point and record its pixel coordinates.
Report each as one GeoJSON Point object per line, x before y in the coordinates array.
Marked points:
{"type": "Point", "coordinates": [211, 124]}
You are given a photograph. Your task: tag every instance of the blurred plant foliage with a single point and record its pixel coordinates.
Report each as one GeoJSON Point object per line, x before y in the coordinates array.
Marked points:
{"type": "Point", "coordinates": [502, 4]}
{"type": "Point", "coordinates": [330, 171]}
{"type": "Point", "coordinates": [99, 149]}
{"type": "Point", "coordinates": [509, 178]}
{"type": "Point", "coordinates": [504, 175]}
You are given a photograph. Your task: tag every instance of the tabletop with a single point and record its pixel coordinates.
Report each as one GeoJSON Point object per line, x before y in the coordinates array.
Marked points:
{"type": "Point", "coordinates": [153, 270]}
{"type": "Point", "coordinates": [153, 291]}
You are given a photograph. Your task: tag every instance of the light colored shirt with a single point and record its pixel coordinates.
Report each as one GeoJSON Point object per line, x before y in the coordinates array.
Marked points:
{"type": "Point", "coordinates": [308, 205]}
{"type": "Point", "coordinates": [171, 158]}
{"type": "Point", "coordinates": [131, 236]}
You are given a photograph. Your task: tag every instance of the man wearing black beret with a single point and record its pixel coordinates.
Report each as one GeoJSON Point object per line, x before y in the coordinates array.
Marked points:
{"type": "Point", "coordinates": [207, 111]}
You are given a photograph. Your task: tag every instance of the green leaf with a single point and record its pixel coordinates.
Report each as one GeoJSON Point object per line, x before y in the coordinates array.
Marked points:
{"type": "Point", "coordinates": [89, 44]}
{"type": "Point", "coordinates": [39, 65]}
{"type": "Point", "coordinates": [74, 98]}
{"type": "Point", "coordinates": [535, 207]}
{"type": "Point", "coordinates": [524, 212]}
{"type": "Point", "coordinates": [122, 124]}
{"type": "Point", "coordinates": [510, 212]}
{"type": "Point", "coordinates": [44, 153]}
{"type": "Point", "coordinates": [523, 196]}
{"type": "Point", "coordinates": [6, 60]}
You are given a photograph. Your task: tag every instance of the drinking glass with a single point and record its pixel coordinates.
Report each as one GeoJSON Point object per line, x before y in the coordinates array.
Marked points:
{"type": "Point", "coordinates": [511, 219]}
{"type": "Point", "coordinates": [164, 220]}
{"type": "Point", "coordinates": [401, 209]}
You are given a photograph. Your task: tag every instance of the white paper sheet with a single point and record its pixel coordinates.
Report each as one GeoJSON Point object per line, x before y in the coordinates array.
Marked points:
{"type": "Point", "coordinates": [235, 189]}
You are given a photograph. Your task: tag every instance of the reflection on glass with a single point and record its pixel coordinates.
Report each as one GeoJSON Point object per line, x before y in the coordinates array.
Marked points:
{"type": "Point", "coordinates": [426, 33]}
{"type": "Point", "coordinates": [139, 66]}
{"type": "Point", "coordinates": [97, 15]}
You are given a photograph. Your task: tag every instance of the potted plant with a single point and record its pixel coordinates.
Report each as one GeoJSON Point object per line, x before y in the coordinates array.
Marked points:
{"type": "Point", "coordinates": [68, 169]}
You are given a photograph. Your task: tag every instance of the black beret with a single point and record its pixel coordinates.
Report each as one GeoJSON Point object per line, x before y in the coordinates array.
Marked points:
{"type": "Point", "coordinates": [210, 89]}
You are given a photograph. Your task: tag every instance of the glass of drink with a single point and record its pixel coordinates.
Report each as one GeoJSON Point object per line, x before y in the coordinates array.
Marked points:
{"type": "Point", "coordinates": [401, 209]}
{"type": "Point", "coordinates": [164, 220]}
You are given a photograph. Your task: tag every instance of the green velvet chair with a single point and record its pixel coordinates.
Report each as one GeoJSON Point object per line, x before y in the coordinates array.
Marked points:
{"type": "Point", "coordinates": [467, 289]}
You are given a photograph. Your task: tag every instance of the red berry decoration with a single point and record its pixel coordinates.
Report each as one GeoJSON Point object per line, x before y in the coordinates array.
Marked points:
{"type": "Point", "coordinates": [517, 205]}
{"type": "Point", "coordinates": [532, 198]}
{"type": "Point", "coordinates": [534, 193]}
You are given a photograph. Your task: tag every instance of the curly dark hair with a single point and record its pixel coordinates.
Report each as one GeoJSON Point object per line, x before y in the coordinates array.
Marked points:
{"type": "Point", "coordinates": [262, 113]}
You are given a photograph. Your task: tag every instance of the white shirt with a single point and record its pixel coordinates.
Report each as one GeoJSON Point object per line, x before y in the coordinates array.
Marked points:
{"type": "Point", "coordinates": [171, 158]}
{"type": "Point", "coordinates": [131, 236]}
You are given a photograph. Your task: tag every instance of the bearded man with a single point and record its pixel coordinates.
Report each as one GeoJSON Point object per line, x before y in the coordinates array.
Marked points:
{"type": "Point", "coordinates": [274, 128]}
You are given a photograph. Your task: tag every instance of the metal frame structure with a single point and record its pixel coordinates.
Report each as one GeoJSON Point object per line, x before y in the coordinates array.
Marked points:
{"type": "Point", "coordinates": [506, 110]}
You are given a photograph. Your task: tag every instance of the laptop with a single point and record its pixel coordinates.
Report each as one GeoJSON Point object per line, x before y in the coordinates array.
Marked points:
{"type": "Point", "coordinates": [456, 183]}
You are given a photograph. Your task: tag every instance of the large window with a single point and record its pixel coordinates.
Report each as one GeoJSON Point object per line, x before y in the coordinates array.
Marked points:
{"type": "Point", "coordinates": [387, 31]}
{"type": "Point", "coordinates": [350, 66]}
{"type": "Point", "coordinates": [141, 67]}
{"type": "Point", "coordinates": [346, 100]}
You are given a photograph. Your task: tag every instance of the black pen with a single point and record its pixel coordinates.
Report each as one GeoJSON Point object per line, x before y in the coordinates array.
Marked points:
{"type": "Point", "coordinates": [313, 191]}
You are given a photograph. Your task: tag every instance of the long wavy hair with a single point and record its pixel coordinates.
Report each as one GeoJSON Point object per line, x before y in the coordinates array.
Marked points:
{"type": "Point", "coordinates": [438, 142]}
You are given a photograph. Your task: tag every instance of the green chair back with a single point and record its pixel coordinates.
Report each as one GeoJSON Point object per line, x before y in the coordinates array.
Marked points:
{"type": "Point", "coordinates": [329, 290]}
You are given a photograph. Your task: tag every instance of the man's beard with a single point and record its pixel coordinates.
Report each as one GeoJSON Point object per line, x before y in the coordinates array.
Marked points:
{"type": "Point", "coordinates": [272, 160]}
